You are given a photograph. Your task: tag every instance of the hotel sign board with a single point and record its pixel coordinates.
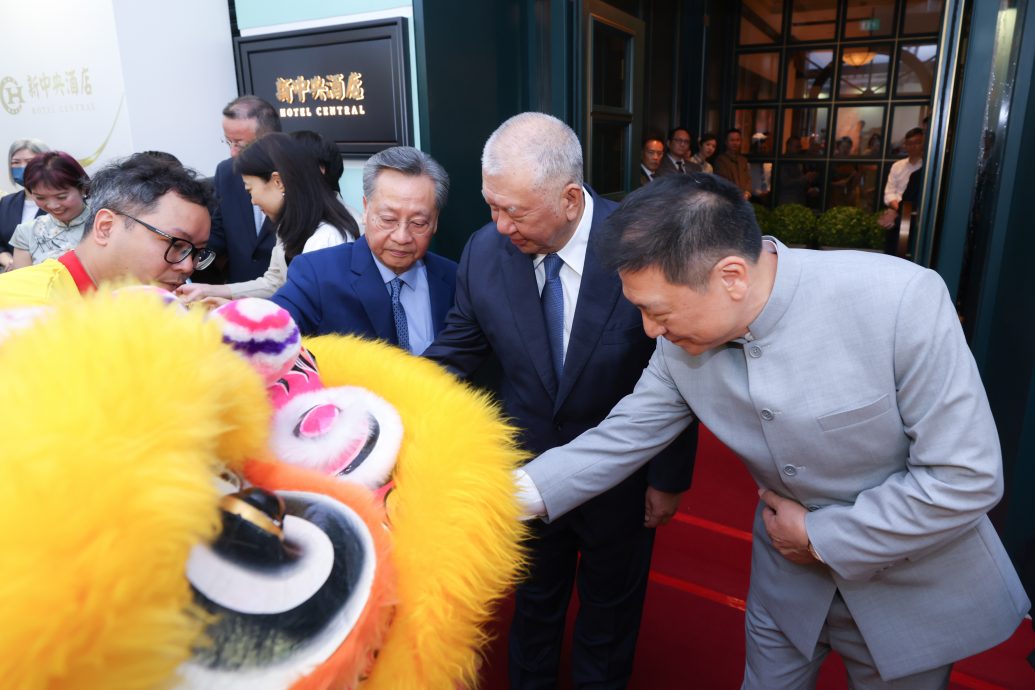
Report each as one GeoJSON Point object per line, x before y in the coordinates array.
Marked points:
{"type": "Point", "coordinates": [349, 83]}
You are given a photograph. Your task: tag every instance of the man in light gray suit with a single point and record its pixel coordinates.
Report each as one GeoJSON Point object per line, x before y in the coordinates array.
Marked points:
{"type": "Point", "coordinates": [844, 382]}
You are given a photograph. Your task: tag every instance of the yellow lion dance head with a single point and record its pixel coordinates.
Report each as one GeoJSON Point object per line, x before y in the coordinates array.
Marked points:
{"type": "Point", "coordinates": [121, 413]}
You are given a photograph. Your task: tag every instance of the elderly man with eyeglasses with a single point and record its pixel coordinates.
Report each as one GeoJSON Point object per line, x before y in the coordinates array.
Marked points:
{"type": "Point", "coordinates": [241, 234]}
{"type": "Point", "coordinates": [386, 284]}
{"type": "Point", "coordinates": [149, 224]}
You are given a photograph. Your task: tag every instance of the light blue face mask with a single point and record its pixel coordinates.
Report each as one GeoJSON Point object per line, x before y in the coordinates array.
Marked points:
{"type": "Point", "coordinates": [19, 175]}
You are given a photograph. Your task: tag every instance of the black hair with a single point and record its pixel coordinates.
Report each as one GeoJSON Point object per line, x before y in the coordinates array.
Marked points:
{"type": "Point", "coordinates": [681, 224]}
{"type": "Point", "coordinates": [135, 184]}
{"type": "Point", "coordinates": [254, 108]}
{"type": "Point", "coordinates": [326, 154]}
{"type": "Point", "coordinates": [307, 201]}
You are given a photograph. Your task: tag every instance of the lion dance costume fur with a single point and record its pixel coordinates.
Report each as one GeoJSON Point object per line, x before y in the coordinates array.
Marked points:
{"type": "Point", "coordinates": [122, 411]}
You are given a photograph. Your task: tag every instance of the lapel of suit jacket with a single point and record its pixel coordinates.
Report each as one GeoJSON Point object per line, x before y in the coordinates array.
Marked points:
{"type": "Point", "coordinates": [266, 230]}
{"type": "Point", "coordinates": [523, 296]}
{"type": "Point", "coordinates": [439, 289]}
{"type": "Point", "coordinates": [598, 293]}
{"type": "Point", "coordinates": [370, 289]}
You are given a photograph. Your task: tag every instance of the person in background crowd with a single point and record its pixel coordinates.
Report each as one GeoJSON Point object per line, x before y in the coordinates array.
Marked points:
{"type": "Point", "coordinates": [650, 157]}
{"type": "Point", "coordinates": [732, 164]}
{"type": "Point", "coordinates": [18, 207]}
{"type": "Point", "coordinates": [331, 166]}
{"type": "Point", "coordinates": [677, 158]}
{"type": "Point", "coordinates": [531, 290]}
{"type": "Point", "coordinates": [58, 185]}
{"type": "Point", "coordinates": [387, 284]}
{"type": "Point", "coordinates": [898, 177]}
{"type": "Point", "coordinates": [149, 224]}
{"type": "Point", "coordinates": [794, 185]}
{"type": "Point", "coordinates": [844, 382]}
{"type": "Point", "coordinates": [285, 182]}
{"type": "Point", "coordinates": [706, 146]}
{"type": "Point", "coordinates": [240, 231]}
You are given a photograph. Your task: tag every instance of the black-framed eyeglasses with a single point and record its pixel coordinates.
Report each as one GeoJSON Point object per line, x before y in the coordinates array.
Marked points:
{"type": "Point", "coordinates": [179, 248]}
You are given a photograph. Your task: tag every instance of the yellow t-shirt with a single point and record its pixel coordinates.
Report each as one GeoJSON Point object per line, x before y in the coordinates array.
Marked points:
{"type": "Point", "coordinates": [36, 285]}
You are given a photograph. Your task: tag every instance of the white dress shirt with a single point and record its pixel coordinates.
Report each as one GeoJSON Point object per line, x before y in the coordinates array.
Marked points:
{"type": "Point", "coordinates": [573, 254]}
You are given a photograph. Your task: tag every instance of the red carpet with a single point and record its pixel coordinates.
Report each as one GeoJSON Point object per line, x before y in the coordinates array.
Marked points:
{"type": "Point", "coordinates": [693, 623]}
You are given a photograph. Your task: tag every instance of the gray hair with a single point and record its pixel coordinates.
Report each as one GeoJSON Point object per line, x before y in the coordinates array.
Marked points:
{"type": "Point", "coordinates": [34, 145]}
{"type": "Point", "coordinates": [135, 185]}
{"type": "Point", "coordinates": [408, 161]}
{"type": "Point", "coordinates": [254, 108]}
{"type": "Point", "coordinates": [535, 142]}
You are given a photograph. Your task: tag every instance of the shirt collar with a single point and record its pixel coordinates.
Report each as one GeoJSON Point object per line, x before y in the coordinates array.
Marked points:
{"type": "Point", "coordinates": [388, 275]}
{"type": "Point", "coordinates": [573, 254]}
{"type": "Point", "coordinates": [788, 275]}
{"type": "Point", "coordinates": [78, 220]}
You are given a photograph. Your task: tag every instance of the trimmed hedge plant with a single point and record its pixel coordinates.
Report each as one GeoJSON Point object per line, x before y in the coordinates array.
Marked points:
{"type": "Point", "coordinates": [794, 224]}
{"type": "Point", "coordinates": [848, 226]}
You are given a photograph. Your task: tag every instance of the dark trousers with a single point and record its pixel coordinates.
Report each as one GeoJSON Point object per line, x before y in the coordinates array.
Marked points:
{"type": "Point", "coordinates": [607, 553]}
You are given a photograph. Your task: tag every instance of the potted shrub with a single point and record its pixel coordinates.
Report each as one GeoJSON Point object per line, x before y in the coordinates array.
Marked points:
{"type": "Point", "coordinates": [848, 226]}
{"type": "Point", "coordinates": [794, 224]}
{"type": "Point", "coordinates": [764, 217]}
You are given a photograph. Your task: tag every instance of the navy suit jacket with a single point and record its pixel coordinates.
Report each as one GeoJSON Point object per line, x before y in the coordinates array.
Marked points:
{"type": "Point", "coordinates": [233, 228]}
{"type": "Point", "coordinates": [340, 290]}
{"type": "Point", "coordinates": [498, 310]}
{"type": "Point", "coordinates": [11, 207]}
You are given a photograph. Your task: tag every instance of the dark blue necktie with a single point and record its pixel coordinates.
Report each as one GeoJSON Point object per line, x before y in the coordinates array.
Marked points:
{"type": "Point", "coordinates": [402, 329]}
{"type": "Point", "coordinates": [553, 310]}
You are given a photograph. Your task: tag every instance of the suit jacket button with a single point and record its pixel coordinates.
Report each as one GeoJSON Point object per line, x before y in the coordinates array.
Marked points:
{"type": "Point", "coordinates": [767, 414]}
{"type": "Point", "coordinates": [755, 351]}
{"type": "Point", "coordinates": [790, 470]}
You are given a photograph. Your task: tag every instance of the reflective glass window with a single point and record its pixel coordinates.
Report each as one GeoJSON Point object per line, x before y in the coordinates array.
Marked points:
{"type": "Point", "coordinates": [810, 73]}
{"type": "Point", "coordinates": [814, 20]}
{"type": "Point", "coordinates": [760, 21]}
{"type": "Point", "coordinates": [864, 71]}
{"type": "Point", "coordinates": [757, 76]}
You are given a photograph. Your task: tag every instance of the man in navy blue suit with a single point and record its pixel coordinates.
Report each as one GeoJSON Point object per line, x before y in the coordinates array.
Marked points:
{"type": "Point", "coordinates": [531, 290]}
{"type": "Point", "coordinates": [386, 284]}
{"type": "Point", "coordinates": [240, 232]}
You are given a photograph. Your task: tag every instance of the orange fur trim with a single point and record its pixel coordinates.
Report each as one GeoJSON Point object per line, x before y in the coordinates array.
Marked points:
{"type": "Point", "coordinates": [353, 659]}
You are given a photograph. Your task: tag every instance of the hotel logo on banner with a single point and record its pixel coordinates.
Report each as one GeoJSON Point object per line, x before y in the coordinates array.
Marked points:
{"type": "Point", "coordinates": [48, 92]}
{"type": "Point", "coordinates": [320, 91]}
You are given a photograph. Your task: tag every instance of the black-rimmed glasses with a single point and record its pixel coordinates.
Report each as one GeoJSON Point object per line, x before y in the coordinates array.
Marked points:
{"type": "Point", "coordinates": [179, 248]}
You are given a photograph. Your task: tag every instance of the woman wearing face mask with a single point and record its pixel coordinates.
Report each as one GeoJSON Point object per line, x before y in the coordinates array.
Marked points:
{"type": "Point", "coordinates": [706, 146]}
{"type": "Point", "coordinates": [285, 182]}
{"type": "Point", "coordinates": [17, 207]}
{"type": "Point", "coordinates": [58, 185]}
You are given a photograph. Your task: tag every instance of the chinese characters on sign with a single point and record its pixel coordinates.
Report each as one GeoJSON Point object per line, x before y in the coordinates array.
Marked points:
{"type": "Point", "coordinates": [331, 87]}
{"type": "Point", "coordinates": [49, 92]}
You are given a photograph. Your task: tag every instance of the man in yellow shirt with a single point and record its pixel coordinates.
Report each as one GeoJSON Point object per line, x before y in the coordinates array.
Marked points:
{"type": "Point", "coordinates": [149, 224]}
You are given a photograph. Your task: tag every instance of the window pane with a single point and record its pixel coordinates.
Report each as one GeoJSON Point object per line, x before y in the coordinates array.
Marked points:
{"type": "Point", "coordinates": [866, 18]}
{"type": "Point", "coordinates": [864, 71]}
{"type": "Point", "coordinates": [903, 119]}
{"type": "Point", "coordinates": [757, 74]}
{"type": "Point", "coordinates": [860, 131]}
{"type": "Point", "coordinates": [760, 21]}
{"type": "Point", "coordinates": [609, 140]}
{"type": "Point", "coordinates": [853, 184]}
{"type": "Point", "coordinates": [916, 69]}
{"type": "Point", "coordinates": [797, 183]}
{"type": "Point", "coordinates": [923, 17]}
{"type": "Point", "coordinates": [757, 126]}
{"type": "Point", "coordinates": [610, 48]}
{"type": "Point", "coordinates": [805, 131]}
{"type": "Point", "coordinates": [810, 73]}
{"type": "Point", "coordinates": [814, 20]}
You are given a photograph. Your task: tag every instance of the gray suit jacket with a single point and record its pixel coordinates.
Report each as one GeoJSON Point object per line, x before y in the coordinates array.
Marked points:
{"type": "Point", "coordinates": [858, 397]}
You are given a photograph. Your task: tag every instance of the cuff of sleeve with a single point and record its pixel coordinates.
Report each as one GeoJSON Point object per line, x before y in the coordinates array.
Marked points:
{"type": "Point", "coordinates": [528, 495]}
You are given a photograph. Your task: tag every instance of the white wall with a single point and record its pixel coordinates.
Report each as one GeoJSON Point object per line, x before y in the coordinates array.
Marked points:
{"type": "Point", "coordinates": [159, 72]}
